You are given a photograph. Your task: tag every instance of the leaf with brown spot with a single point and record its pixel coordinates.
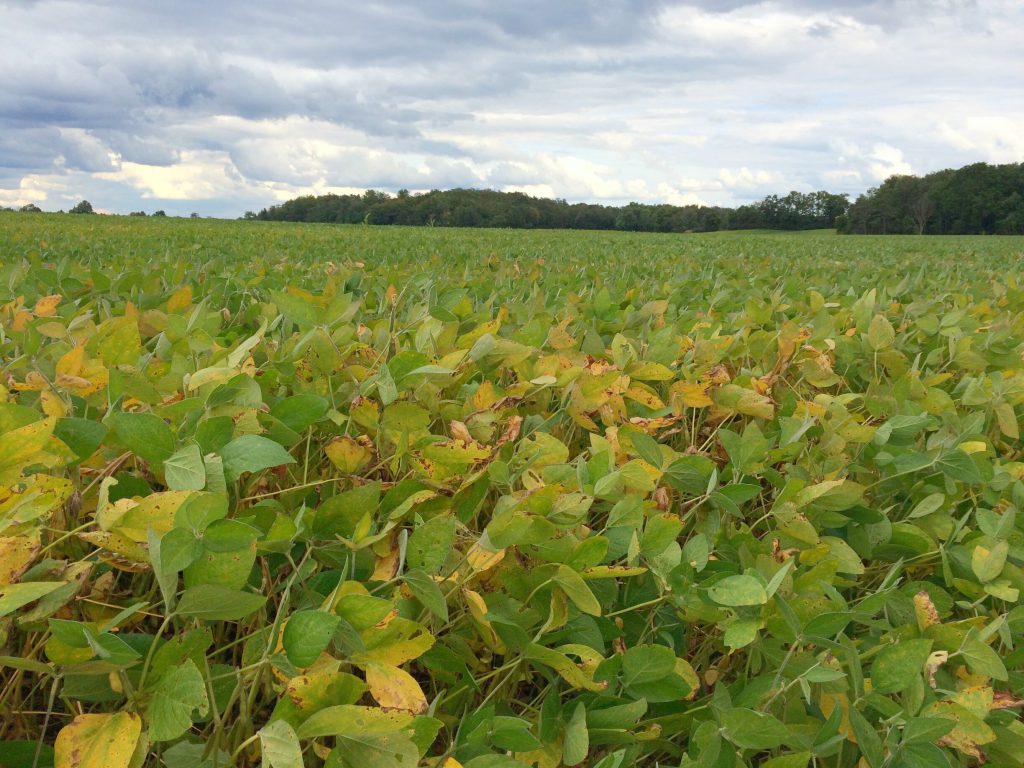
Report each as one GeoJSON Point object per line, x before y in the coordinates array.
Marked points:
{"type": "Point", "coordinates": [1006, 700]}
{"type": "Point", "coordinates": [309, 693]}
{"type": "Point", "coordinates": [970, 733]}
{"type": "Point", "coordinates": [690, 394]}
{"type": "Point", "coordinates": [394, 688]}
{"type": "Point", "coordinates": [349, 454]}
{"type": "Point", "coordinates": [925, 610]}
{"type": "Point", "coordinates": [16, 554]}
{"type": "Point", "coordinates": [460, 431]}
{"type": "Point", "coordinates": [98, 741]}
{"type": "Point", "coordinates": [47, 306]}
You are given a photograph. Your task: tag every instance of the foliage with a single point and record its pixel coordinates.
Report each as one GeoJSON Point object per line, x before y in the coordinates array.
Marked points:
{"type": "Point", "coordinates": [388, 497]}
{"type": "Point", "coordinates": [976, 199]}
{"type": "Point", "coordinates": [82, 207]}
{"type": "Point", "coordinates": [488, 208]}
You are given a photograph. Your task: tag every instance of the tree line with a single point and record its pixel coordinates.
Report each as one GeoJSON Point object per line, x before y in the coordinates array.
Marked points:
{"type": "Point", "coordinates": [82, 207]}
{"type": "Point", "coordinates": [489, 208]}
{"type": "Point", "coordinates": [974, 200]}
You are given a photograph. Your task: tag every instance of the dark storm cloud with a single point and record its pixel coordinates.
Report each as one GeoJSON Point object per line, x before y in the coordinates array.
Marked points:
{"type": "Point", "coordinates": [253, 101]}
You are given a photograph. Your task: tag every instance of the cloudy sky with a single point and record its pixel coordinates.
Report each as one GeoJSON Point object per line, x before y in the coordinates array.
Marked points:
{"type": "Point", "coordinates": [219, 107]}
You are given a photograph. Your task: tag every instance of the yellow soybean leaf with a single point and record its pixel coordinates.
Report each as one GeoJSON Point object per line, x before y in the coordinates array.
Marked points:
{"type": "Point", "coordinates": [733, 397]}
{"type": "Point", "coordinates": [348, 454]}
{"type": "Point", "coordinates": [20, 321]}
{"type": "Point", "coordinates": [70, 363]}
{"type": "Point", "coordinates": [79, 374]}
{"type": "Point", "coordinates": [24, 446]}
{"type": "Point", "coordinates": [691, 394]}
{"type": "Point", "coordinates": [482, 559]}
{"type": "Point", "coordinates": [34, 382]}
{"type": "Point", "coordinates": [155, 511]}
{"type": "Point", "coordinates": [98, 741]}
{"type": "Point", "coordinates": [478, 611]}
{"type": "Point", "coordinates": [216, 374]}
{"type": "Point", "coordinates": [132, 554]}
{"type": "Point", "coordinates": [970, 733]}
{"type": "Point", "coordinates": [182, 299]}
{"type": "Point", "coordinates": [16, 553]}
{"type": "Point", "coordinates": [52, 404]}
{"type": "Point", "coordinates": [650, 372]}
{"type": "Point", "coordinates": [47, 306]}
{"type": "Point", "coordinates": [645, 396]}
{"type": "Point", "coordinates": [401, 640]}
{"type": "Point", "coordinates": [1007, 421]}
{"type": "Point", "coordinates": [974, 446]}
{"type": "Point", "coordinates": [394, 688]}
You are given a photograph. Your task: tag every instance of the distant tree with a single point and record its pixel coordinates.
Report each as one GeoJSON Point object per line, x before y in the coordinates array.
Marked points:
{"type": "Point", "coordinates": [161, 212]}
{"type": "Point", "coordinates": [466, 216]}
{"type": "Point", "coordinates": [193, 215]}
{"type": "Point", "coordinates": [137, 213]}
{"type": "Point", "coordinates": [83, 207]}
{"type": "Point", "coordinates": [490, 208]}
{"type": "Point", "coordinates": [975, 199]}
{"type": "Point", "coordinates": [30, 208]}
{"type": "Point", "coordinates": [1013, 222]}
{"type": "Point", "coordinates": [921, 209]}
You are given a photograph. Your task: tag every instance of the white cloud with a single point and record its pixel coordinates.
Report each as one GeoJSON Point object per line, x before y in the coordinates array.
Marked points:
{"type": "Point", "coordinates": [236, 105]}
{"type": "Point", "coordinates": [886, 161]}
{"type": "Point", "coordinates": [30, 189]}
{"type": "Point", "coordinates": [744, 178]}
{"type": "Point", "coordinates": [199, 176]}
{"type": "Point", "coordinates": [997, 138]}
{"type": "Point", "coordinates": [675, 196]}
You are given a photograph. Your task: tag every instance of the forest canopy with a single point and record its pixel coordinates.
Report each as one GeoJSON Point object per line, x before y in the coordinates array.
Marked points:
{"type": "Point", "coordinates": [975, 199]}
{"type": "Point", "coordinates": [515, 210]}
{"type": "Point", "coordinates": [978, 199]}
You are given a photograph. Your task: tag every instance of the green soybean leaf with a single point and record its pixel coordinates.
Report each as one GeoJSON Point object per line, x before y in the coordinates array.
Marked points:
{"type": "Point", "coordinates": [737, 591]}
{"type": "Point", "coordinates": [144, 434]}
{"type": "Point", "coordinates": [792, 760]}
{"type": "Point", "coordinates": [280, 746]}
{"type": "Point", "coordinates": [299, 412]}
{"type": "Point", "coordinates": [576, 745]}
{"type": "Point", "coordinates": [252, 453]}
{"type": "Point", "coordinates": [647, 447]}
{"type": "Point", "coordinates": [184, 469]}
{"type": "Point", "coordinates": [750, 729]}
{"type": "Point", "coordinates": [577, 591]}
{"type": "Point", "coordinates": [213, 602]}
{"type": "Point", "coordinates": [983, 660]}
{"type": "Point", "coordinates": [957, 465]}
{"type": "Point", "coordinates": [307, 634]}
{"type": "Point", "coordinates": [177, 694]}
{"type": "Point", "coordinates": [426, 590]}
{"type": "Point", "coordinates": [83, 436]}
{"type": "Point", "coordinates": [430, 543]}
{"type": "Point", "coordinates": [896, 666]}
{"type": "Point", "coordinates": [513, 734]}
